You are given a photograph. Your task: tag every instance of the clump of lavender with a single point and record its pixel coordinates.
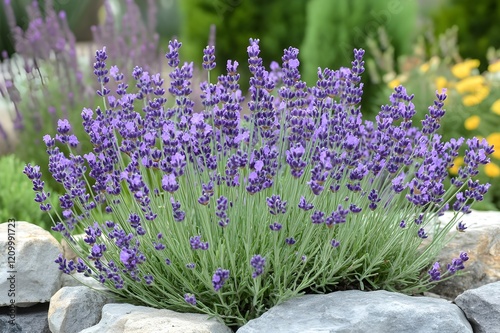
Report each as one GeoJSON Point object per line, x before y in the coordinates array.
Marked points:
{"type": "Point", "coordinates": [229, 215]}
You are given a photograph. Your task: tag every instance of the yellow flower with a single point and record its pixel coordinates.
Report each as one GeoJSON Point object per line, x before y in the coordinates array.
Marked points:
{"type": "Point", "coordinates": [492, 170]}
{"type": "Point", "coordinates": [441, 83]}
{"type": "Point", "coordinates": [477, 97]}
{"type": "Point", "coordinates": [424, 68]}
{"type": "Point", "coordinates": [483, 92]}
{"type": "Point", "coordinates": [495, 108]}
{"type": "Point", "coordinates": [472, 123]}
{"type": "Point", "coordinates": [494, 67]}
{"type": "Point", "coordinates": [470, 84]}
{"type": "Point", "coordinates": [394, 83]}
{"type": "Point", "coordinates": [470, 100]}
{"type": "Point", "coordinates": [463, 69]}
{"type": "Point", "coordinates": [457, 162]}
{"type": "Point", "coordinates": [494, 139]}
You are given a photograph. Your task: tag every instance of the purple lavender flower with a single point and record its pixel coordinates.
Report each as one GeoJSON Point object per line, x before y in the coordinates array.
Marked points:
{"type": "Point", "coordinates": [190, 299]}
{"type": "Point", "coordinates": [63, 126]}
{"type": "Point", "coordinates": [158, 246]}
{"type": "Point", "coordinates": [131, 258]}
{"type": "Point", "coordinates": [257, 262]}
{"type": "Point", "coordinates": [275, 226]}
{"type": "Point", "coordinates": [149, 279]}
{"type": "Point", "coordinates": [461, 226]}
{"type": "Point", "coordinates": [374, 199]}
{"type": "Point", "coordinates": [303, 204]}
{"type": "Point", "coordinates": [101, 72]}
{"type": "Point", "coordinates": [179, 215]}
{"type": "Point", "coordinates": [290, 240]}
{"type": "Point", "coordinates": [97, 251]}
{"type": "Point", "coordinates": [169, 183]}
{"type": "Point", "coordinates": [421, 233]}
{"type": "Point", "coordinates": [92, 233]}
{"type": "Point", "coordinates": [209, 58]}
{"type": "Point", "coordinates": [318, 217]}
{"type": "Point", "coordinates": [197, 244]}
{"type": "Point", "coordinates": [221, 211]}
{"type": "Point", "coordinates": [173, 54]}
{"type": "Point", "coordinates": [457, 264]}
{"type": "Point", "coordinates": [355, 209]}
{"type": "Point", "coordinates": [435, 272]}
{"type": "Point", "coordinates": [63, 264]}
{"type": "Point", "coordinates": [334, 243]}
{"type": "Point", "coordinates": [419, 219]}
{"type": "Point", "coordinates": [293, 158]}
{"type": "Point", "coordinates": [276, 205]}
{"type": "Point", "coordinates": [338, 216]}
{"type": "Point", "coordinates": [219, 278]}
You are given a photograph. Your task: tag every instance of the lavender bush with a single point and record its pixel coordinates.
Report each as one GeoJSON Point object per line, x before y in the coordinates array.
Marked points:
{"type": "Point", "coordinates": [225, 214]}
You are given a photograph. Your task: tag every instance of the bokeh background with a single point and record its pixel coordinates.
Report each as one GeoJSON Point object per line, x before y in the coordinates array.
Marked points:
{"type": "Point", "coordinates": [424, 45]}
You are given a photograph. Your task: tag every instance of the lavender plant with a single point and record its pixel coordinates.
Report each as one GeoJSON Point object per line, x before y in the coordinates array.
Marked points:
{"type": "Point", "coordinates": [229, 214]}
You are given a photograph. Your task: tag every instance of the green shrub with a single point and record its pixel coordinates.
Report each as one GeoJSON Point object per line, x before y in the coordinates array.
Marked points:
{"type": "Point", "coordinates": [16, 195]}
{"type": "Point", "coordinates": [334, 28]}
{"type": "Point", "coordinates": [279, 24]}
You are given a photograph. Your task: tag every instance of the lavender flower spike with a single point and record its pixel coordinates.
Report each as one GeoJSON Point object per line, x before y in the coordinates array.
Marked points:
{"type": "Point", "coordinates": [190, 298]}
{"type": "Point", "coordinates": [219, 278]}
{"type": "Point", "coordinates": [257, 262]}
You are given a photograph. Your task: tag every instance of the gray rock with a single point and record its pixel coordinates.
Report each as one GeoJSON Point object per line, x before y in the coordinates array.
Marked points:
{"type": "Point", "coordinates": [78, 280]}
{"type": "Point", "coordinates": [359, 312]}
{"type": "Point", "coordinates": [127, 318]}
{"type": "Point", "coordinates": [68, 252]}
{"type": "Point", "coordinates": [481, 241]}
{"type": "Point", "coordinates": [7, 327]}
{"type": "Point", "coordinates": [482, 307]}
{"type": "Point", "coordinates": [26, 320]}
{"type": "Point", "coordinates": [33, 277]}
{"type": "Point", "coordinates": [73, 309]}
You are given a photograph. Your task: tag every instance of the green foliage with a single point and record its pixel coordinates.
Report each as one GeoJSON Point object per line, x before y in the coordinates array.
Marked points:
{"type": "Point", "coordinates": [16, 195]}
{"type": "Point", "coordinates": [278, 24]}
{"type": "Point", "coordinates": [477, 22]}
{"type": "Point", "coordinates": [335, 28]}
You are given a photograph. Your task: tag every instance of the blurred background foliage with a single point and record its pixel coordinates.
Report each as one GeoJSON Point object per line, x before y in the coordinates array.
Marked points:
{"type": "Point", "coordinates": [478, 25]}
{"type": "Point", "coordinates": [81, 15]}
{"type": "Point", "coordinates": [423, 44]}
{"type": "Point", "coordinates": [335, 28]}
{"type": "Point", "coordinates": [278, 24]}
